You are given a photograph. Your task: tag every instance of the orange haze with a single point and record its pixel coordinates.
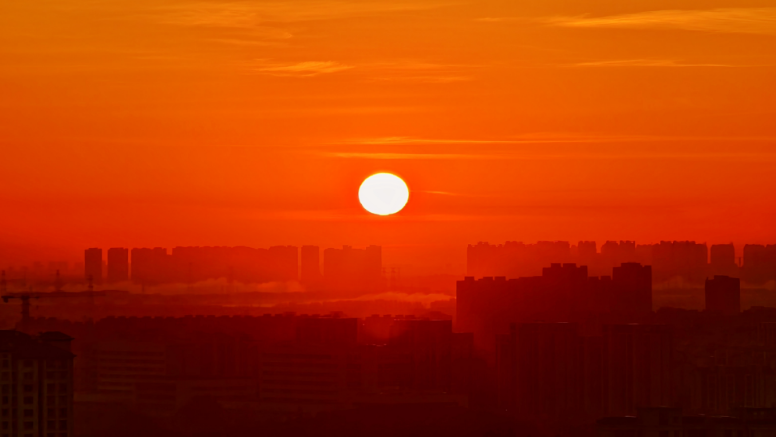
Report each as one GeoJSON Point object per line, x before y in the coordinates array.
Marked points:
{"type": "Point", "coordinates": [196, 122]}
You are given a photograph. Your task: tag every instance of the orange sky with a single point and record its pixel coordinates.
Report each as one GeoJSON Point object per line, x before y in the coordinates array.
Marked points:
{"type": "Point", "coordinates": [195, 122]}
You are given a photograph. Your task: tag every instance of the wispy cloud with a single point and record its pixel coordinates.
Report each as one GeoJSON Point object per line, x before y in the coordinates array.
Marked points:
{"type": "Point", "coordinates": [727, 20]}
{"type": "Point", "coordinates": [396, 156]}
{"type": "Point", "coordinates": [532, 155]}
{"type": "Point", "coordinates": [303, 69]}
{"type": "Point", "coordinates": [250, 14]}
{"type": "Point", "coordinates": [420, 71]}
{"type": "Point", "coordinates": [643, 63]}
{"type": "Point", "coordinates": [502, 19]}
{"type": "Point", "coordinates": [527, 139]}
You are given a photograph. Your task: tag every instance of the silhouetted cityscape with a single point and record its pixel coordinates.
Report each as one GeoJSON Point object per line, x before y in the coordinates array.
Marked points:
{"type": "Point", "coordinates": [582, 348]}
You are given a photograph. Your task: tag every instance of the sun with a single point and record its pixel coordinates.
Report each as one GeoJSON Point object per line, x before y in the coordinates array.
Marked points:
{"type": "Point", "coordinates": [383, 194]}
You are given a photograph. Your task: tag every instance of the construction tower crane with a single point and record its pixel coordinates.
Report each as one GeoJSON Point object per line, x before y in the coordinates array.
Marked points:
{"type": "Point", "coordinates": [25, 297]}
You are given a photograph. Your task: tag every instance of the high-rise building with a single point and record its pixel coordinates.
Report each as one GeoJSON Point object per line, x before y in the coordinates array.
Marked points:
{"type": "Point", "coordinates": [149, 265]}
{"type": "Point", "coordinates": [759, 263]}
{"type": "Point", "coordinates": [637, 367]}
{"type": "Point", "coordinates": [615, 253]}
{"type": "Point", "coordinates": [37, 384]}
{"type": "Point", "coordinates": [311, 265]}
{"type": "Point", "coordinates": [515, 259]}
{"type": "Point", "coordinates": [489, 305]}
{"type": "Point", "coordinates": [93, 264]}
{"type": "Point", "coordinates": [632, 284]}
{"type": "Point", "coordinates": [118, 265]}
{"type": "Point", "coordinates": [686, 259]}
{"type": "Point", "coordinates": [540, 367]}
{"type": "Point", "coordinates": [353, 270]}
{"type": "Point", "coordinates": [723, 295]}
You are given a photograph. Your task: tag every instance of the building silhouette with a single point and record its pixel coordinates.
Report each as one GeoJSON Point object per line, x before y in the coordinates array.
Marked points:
{"type": "Point", "coordinates": [759, 263]}
{"type": "Point", "coordinates": [353, 270]}
{"type": "Point", "coordinates": [669, 421]}
{"type": "Point", "coordinates": [637, 367]}
{"type": "Point", "coordinates": [669, 259]}
{"type": "Point", "coordinates": [93, 264]}
{"type": "Point", "coordinates": [723, 295]}
{"type": "Point", "coordinates": [37, 384]}
{"type": "Point", "coordinates": [632, 284]}
{"type": "Point", "coordinates": [118, 265]}
{"type": "Point", "coordinates": [311, 265]}
{"type": "Point", "coordinates": [187, 265]}
{"type": "Point", "coordinates": [486, 307]}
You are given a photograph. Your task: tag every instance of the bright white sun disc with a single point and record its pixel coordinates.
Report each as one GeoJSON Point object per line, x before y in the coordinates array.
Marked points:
{"type": "Point", "coordinates": [383, 194]}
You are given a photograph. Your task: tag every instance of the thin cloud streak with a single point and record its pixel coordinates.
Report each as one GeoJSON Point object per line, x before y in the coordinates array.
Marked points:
{"type": "Point", "coordinates": [397, 156]}
{"type": "Point", "coordinates": [760, 21]}
{"type": "Point", "coordinates": [309, 68]}
{"type": "Point", "coordinates": [250, 14]}
{"type": "Point", "coordinates": [417, 141]}
{"type": "Point", "coordinates": [659, 63]}
{"type": "Point", "coordinates": [548, 138]}
{"type": "Point", "coordinates": [574, 155]}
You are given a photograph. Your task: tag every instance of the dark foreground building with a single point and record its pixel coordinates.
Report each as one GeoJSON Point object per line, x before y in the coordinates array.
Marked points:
{"type": "Point", "coordinates": [723, 295]}
{"type": "Point", "coordinates": [669, 422]}
{"type": "Point", "coordinates": [563, 293]}
{"type": "Point", "coordinates": [36, 380]}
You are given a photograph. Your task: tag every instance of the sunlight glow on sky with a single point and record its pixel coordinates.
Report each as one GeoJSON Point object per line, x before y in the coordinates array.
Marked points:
{"type": "Point", "coordinates": [197, 122]}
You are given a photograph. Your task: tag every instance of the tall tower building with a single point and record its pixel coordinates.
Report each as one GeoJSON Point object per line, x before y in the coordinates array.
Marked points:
{"type": "Point", "coordinates": [633, 285]}
{"type": "Point", "coordinates": [37, 384]}
{"type": "Point", "coordinates": [118, 265]}
{"type": "Point", "coordinates": [93, 264]}
{"type": "Point", "coordinates": [723, 295]}
{"type": "Point", "coordinates": [637, 367]}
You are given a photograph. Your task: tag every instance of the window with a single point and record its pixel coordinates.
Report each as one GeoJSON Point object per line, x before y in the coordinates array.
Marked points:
{"type": "Point", "coordinates": [51, 388]}
{"type": "Point", "coordinates": [5, 399]}
{"type": "Point", "coordinates": [6, 364]}
{"type": "Point", "coordinates": [28, 399]}
{"type": "Point", "coordinates": [63, 387]}
{"type": "Point", "coordinates": [28, 376]}
{"type": "Point", "coordinates": [63, 425]}
{"type": "Point", "coordinates": [28, 413]}
{"type": "Point", "coordinates": [27, 387]}
{"type": "Point", "coordinates": [51, 424]}
{"type": "Point", "coordinates": [63, 411]}
{"type": "Point", "coordinates": [5, 412]}
{"type": "Point", "coordinates": [28, 426]}
{"type": "Point", "coordinates": [27, 363]}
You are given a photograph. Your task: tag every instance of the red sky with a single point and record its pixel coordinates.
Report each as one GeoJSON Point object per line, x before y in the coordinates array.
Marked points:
{"type": "Point", "coordinates": [191, 122]}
